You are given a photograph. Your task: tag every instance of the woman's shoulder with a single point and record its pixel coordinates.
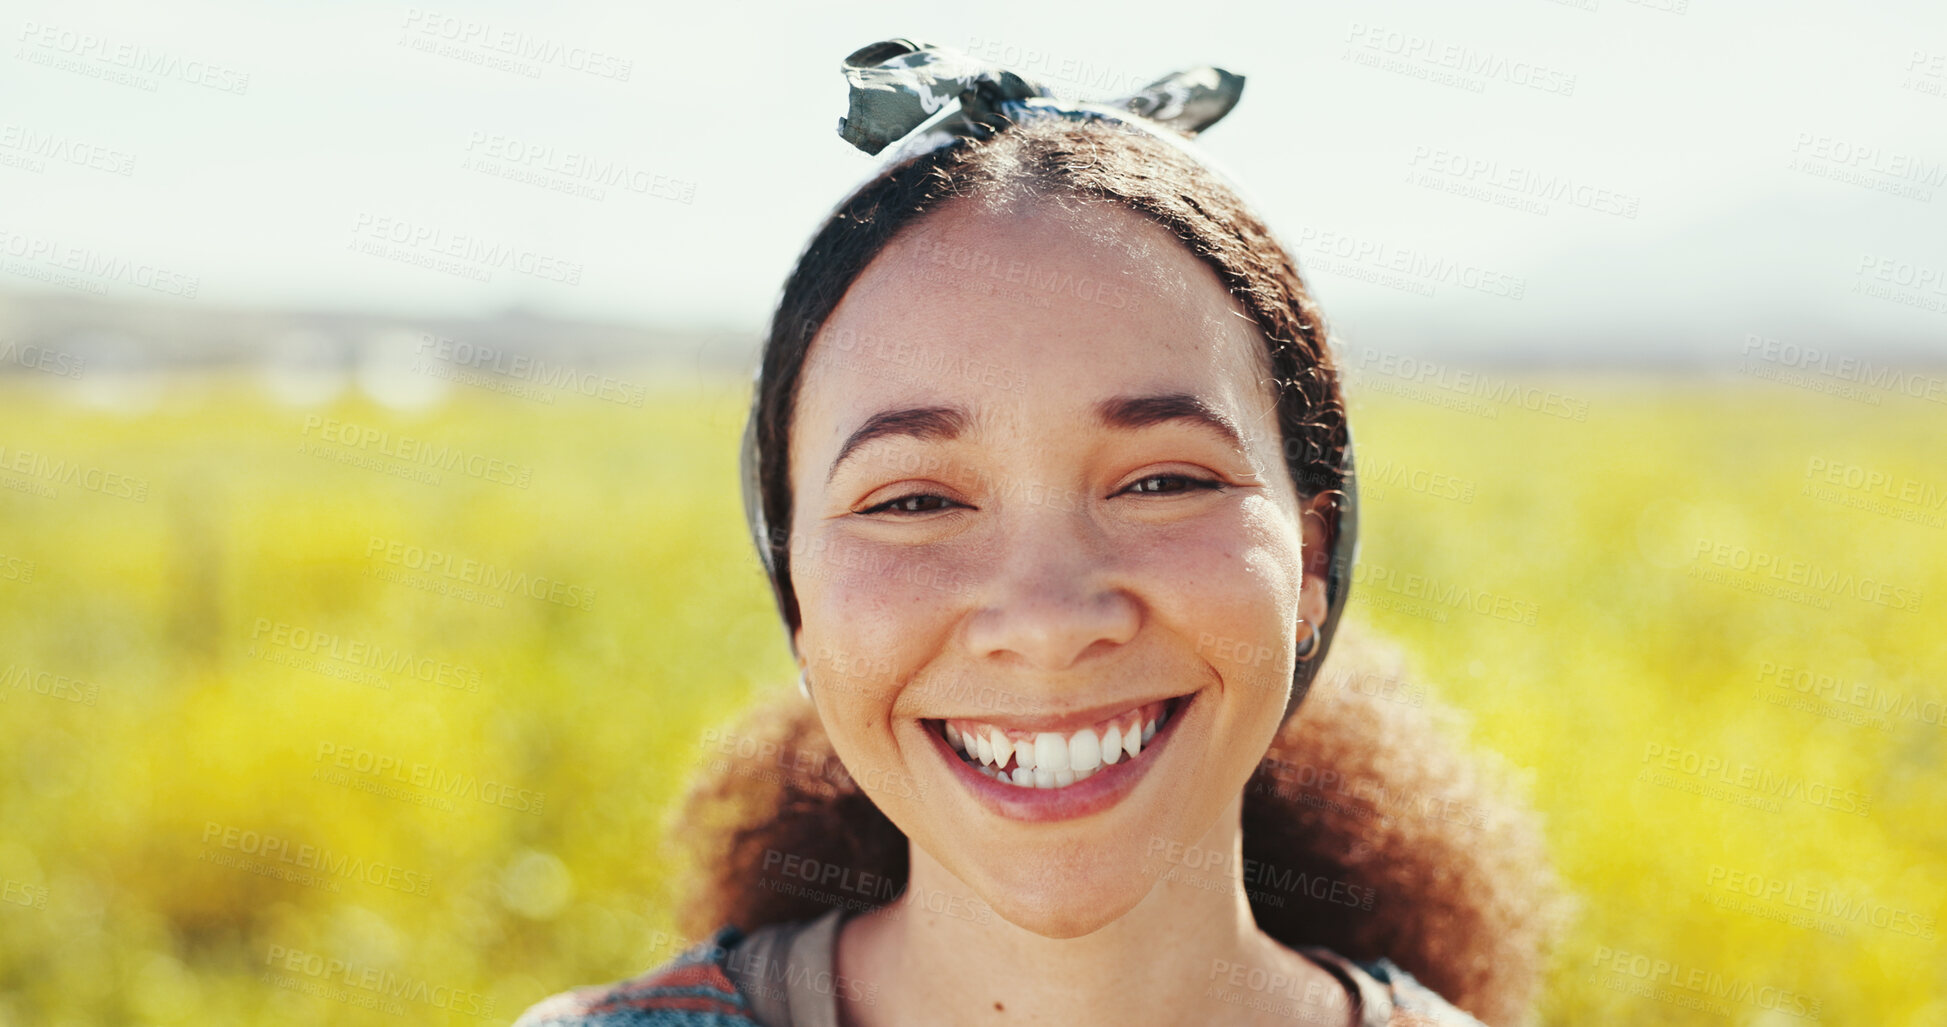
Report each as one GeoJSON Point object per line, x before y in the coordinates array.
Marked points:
{"type": "Point", "coordinates": [1413, 1002]}
{"type": "Point", "coordinates": [1388, 996]}
{"type": "Point", "coordinates": [691, 990]}
{"type": "Point", "coordinates": [695, 990]}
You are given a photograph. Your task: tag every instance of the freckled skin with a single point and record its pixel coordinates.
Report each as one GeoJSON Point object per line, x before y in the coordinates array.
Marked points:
{"type": "Point", "coordinates": [1036, 579]}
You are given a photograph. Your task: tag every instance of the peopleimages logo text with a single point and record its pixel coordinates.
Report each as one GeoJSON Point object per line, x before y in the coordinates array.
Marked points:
{"type": "Point", "coordinates": [474, 572]}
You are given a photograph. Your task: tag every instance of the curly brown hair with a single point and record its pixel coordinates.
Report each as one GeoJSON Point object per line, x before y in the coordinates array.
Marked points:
{"type": "Point", "coordinates": [1357, 789]}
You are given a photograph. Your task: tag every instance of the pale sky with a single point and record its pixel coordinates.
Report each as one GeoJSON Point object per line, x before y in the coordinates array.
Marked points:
{"type": "Point", "coordinates": [1763, 148]}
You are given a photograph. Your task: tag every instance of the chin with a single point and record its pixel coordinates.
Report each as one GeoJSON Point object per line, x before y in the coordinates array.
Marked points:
{"type": "Point", "coordinates": [1059, 914]}
{"type": "Point", "coordinates": [1064, 903]}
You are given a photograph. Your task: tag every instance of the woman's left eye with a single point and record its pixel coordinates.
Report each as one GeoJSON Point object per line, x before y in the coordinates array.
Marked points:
{"type": "Point", "coordinates": [1165, 484]}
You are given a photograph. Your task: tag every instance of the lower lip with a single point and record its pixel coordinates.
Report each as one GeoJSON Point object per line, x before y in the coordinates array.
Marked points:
{"type": "Point", "coordinates": [1098, 792]}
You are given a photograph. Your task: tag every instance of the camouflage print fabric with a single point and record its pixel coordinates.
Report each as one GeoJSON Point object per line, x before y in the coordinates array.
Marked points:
{"type": "Point", "coordinates": [898, 84]}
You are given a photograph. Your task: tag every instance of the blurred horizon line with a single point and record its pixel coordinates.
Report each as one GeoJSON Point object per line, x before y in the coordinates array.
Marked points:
{"type": "Point", "coordinates": [53, 333]}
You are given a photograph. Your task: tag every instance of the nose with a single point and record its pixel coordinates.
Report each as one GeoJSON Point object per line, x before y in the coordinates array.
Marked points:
{"type": "Point", "coordinates": [1054, 595]}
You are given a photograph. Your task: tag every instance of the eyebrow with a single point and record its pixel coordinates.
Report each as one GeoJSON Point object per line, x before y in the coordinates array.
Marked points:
{"type": "Point", "coordinates": [927, 424]}
{"type": "Point", "coordinates": [1133, 412]}
{"type": "Point", "coordinates": [1129, 413]}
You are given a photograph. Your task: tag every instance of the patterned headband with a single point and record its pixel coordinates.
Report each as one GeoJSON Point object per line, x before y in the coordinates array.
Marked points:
{"type": "Point", "coordinates": [926, 97]}
{"type": "Point", "coordinates": [897, 85]}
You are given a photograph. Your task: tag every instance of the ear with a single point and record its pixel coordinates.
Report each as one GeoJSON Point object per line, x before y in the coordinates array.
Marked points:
{"type": "Point", "coordinates": [1319, 517]}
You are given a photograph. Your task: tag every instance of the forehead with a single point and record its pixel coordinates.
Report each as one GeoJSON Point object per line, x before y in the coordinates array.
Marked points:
{"type": "Point", "coordinates": [1040, 307]}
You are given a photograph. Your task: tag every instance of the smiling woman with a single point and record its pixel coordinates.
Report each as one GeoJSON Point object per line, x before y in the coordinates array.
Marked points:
{"type": "Point", "coordinates": [1049, 468]}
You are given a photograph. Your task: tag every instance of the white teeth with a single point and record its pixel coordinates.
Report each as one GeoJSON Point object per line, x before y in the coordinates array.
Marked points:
{"type": "Point", "coordinates": [1050, 752]}
{"type": "Point", "coordinates": [1026, 777]}
{"type": "Point", "coordinates": [1047, 759]}
{"type": "Point", "coordinates": [1084, 750]}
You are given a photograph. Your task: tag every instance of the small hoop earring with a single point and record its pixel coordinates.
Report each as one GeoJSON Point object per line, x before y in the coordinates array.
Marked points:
{"type": "Point", "coordinates": [804, 686]}
{"type": "Point", "coordinates": [1309, 648]}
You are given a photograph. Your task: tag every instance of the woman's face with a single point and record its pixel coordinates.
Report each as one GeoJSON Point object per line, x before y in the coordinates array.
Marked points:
{"type": "Point", "coordinates": [1040, 505]}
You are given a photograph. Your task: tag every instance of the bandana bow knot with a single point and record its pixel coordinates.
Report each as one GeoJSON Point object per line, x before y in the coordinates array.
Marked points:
{"type": "Point", "coordinates": [897, 85]}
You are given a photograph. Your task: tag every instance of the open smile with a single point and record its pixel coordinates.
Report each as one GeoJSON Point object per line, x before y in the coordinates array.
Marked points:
{"type": "Point", "coordinates": [1066, 771]}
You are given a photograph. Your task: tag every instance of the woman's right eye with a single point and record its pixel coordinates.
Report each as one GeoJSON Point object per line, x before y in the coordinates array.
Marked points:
{"type": "Point", "coordinates": [910, 505]}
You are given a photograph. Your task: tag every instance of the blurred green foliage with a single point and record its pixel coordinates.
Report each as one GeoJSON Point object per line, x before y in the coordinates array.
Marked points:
{"type": "Point", "coordinates": [256, 768]}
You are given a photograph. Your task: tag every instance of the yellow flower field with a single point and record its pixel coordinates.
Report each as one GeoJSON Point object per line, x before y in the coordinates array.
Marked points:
{"type": "Point", "coordinates": [349, 715]}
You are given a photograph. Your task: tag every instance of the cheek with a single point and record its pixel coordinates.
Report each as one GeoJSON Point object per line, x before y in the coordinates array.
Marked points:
{"type": "Point", "coordinates": [873, 615]}
{"type": "Point", "coordinates": [1229, 588]}
{"type": "Point", "coordinates": [864, 605]}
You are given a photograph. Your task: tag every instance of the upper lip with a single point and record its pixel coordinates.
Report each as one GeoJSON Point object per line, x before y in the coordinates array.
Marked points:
{"type": "Point", "coordinates": [1066, 720]}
